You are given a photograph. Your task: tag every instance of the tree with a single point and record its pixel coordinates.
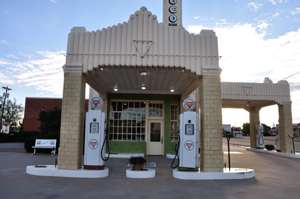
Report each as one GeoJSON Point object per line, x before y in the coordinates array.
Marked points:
{"type": "Point", "coordinates": [246, 129]}
{"type": "Point", "coordinates": [266, 130]}
{"type": "Point", "coordinates": [12, 112]}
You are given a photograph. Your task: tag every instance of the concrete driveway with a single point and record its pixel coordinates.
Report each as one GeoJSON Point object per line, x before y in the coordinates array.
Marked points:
{"type": "Point", "coordinates": [277, 177]}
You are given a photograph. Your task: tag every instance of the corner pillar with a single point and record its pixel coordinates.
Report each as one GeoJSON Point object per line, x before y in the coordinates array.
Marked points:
{"type": "Point", "coordinates": [254, 121]}
{"type": "Point", "coordinates": [285, 126]}
{"type": "Point", "coordinates": [71, 131]}
{"type": "Point", "coordinates": [211, 158]}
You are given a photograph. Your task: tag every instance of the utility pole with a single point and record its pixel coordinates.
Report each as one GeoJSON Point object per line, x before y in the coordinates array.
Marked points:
{"type": "Point", "coordinates": [5, 96]}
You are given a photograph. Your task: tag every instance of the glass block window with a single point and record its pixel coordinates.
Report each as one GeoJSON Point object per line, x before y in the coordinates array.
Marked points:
{"type": "Point", "coordinates": [127, 120]}
{"type": "Point", "coordinates": [155, 110]}
{"type": "Point", "coordinates": [174, 122]}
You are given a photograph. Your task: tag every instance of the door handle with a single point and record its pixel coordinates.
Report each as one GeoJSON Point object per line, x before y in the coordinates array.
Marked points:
{"type": "Point", "coordinates": [162, 140]}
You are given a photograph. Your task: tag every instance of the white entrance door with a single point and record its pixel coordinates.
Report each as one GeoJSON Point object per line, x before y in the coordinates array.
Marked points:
{"type": "Point", "coordinates": [155, 137]}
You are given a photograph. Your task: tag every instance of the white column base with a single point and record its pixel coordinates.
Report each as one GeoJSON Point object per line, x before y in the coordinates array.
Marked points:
{"type": "Point", "coordinates": [51, 170]}
{"type": "Point", "coordinates": [149, 173]}
{"type": "Point", "coordinates": [287, 155]}
{"type": "Point", "coordinates": [233, 174]}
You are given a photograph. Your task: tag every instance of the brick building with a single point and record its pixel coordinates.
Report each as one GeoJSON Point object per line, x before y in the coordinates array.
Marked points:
{"type": "Point", "coordinates": [33, 107]}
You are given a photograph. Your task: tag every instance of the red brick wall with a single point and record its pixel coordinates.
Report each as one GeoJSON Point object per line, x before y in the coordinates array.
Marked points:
{"type": "Point", "coordinates": [33, 107]}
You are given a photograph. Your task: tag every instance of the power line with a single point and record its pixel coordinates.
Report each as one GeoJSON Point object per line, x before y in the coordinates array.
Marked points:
{"type": "Point", "coordinates": [291, 75]}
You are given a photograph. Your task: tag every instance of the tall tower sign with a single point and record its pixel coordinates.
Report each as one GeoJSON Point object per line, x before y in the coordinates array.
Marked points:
{"type": "Point", "coordinates": [173, 12]}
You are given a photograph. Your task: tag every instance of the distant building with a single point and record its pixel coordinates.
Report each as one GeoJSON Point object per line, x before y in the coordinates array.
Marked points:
{"type": "Point", "coordinates": [237, 132]}
{"type": "Point", "coordinates": [273, 131]}
{"type": "Point", "coordinates": [296, 129]}
{"type": "Point", "coordinates": [227, 128]}
{"type": "Point", "coordinates": [33, 107]}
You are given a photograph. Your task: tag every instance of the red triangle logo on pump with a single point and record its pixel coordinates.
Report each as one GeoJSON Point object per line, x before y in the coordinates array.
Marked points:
{"type": "Point", "coordinates": [190, 104]}
{"type": "Point", "coordinates": [189, 145]}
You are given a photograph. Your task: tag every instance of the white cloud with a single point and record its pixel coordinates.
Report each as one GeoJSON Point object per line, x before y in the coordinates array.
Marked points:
{"type": "Point", "coordinates": [3, 42]}
{"type": "Point", "coordinates": [296, 11]}
{"type": "Point", "coordinates": [43, 72]}
{"type": "Point", "coordinates": [5, 80]}
{"type": "Point", "coordinates": [196, 17]}
{"type": "Point", "coordinates": [276, 14]}
{"type": "Point", "coordinates": [248, 56]}
{"type": "Point", "coordinates": [262, 26]}
{"type": "Point", "coordinates": [254, 6]}
{"type": "Point", "coordinates": [276, 2]}
{"type": "Point", "coordinates": [53, 1]}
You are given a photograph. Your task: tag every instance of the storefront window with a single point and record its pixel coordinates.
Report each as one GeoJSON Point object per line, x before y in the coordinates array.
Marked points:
{"type": "Point", "coordinates": [155, 109]}
{"type": "Point", "coordinates": [174, 122]}
{"type": "Point", "coordinates": [127, 120]}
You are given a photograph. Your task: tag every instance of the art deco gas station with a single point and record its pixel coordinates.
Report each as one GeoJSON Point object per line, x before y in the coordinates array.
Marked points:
{"type": "Point", "coordinates": [151, 82]}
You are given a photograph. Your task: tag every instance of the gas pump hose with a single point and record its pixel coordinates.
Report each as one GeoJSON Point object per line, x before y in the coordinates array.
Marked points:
{"type": "Point", "coordinates": [175, 164]}
{"type": "Point", "coordinates": [105, 143]}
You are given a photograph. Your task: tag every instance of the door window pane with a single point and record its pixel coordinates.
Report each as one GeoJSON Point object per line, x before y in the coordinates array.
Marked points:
{"type": "Point", "coordinates": [155, 110]}
{"type": "Point", "coordinates": [155, 132]}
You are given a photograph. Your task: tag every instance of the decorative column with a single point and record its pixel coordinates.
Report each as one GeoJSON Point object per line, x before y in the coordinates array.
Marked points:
{"type": "Point", "coordinates": [254, 121]}
{"type": "Point", "coordinates": [71, 131]}
{"type": "Point", "coordinates": [285, 126]}
{"type": "Point", "coordinates": [211, 158]}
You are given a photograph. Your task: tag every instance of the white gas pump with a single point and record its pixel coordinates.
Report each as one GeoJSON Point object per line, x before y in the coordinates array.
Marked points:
{"type": "Point", "coordinates": [95, 137]}
{"type": "Point", "coordinates": [188, 150]}
{"type": "Point", "coordinates": [260, 137]}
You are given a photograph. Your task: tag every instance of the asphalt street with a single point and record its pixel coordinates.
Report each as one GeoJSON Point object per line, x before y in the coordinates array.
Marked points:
{"type": "Point", "coordinates": [276, 178]}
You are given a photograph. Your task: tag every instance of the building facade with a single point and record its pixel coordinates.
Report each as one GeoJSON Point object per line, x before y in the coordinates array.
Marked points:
{"type": "Point", "coordinates": [143, 70]}
{"type": "Point", "coordinates": [33, 107]}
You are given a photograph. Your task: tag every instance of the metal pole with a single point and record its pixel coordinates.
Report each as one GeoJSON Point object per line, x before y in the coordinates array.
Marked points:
{"type": "Point", "coordinates": [293, 141]}
{"type": "Point", "coordinates": [228, 151]}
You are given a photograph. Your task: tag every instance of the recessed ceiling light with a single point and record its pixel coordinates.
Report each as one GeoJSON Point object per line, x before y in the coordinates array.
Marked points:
{"type": "Point", "coordinates": [144, 73]}
{"type": "Point", "coordinates": [116, 88]}
{"type": "Point", "coordinates": [172, 90]}
{"type": "Point", "coordinates": [143, 87]}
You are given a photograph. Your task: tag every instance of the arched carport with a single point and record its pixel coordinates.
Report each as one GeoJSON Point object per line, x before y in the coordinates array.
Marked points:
{"type": "Point", "coordinates": [254, 96]}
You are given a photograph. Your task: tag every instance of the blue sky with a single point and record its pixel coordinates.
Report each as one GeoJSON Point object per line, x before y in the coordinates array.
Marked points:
{"type": "Point", "coordinates": [33, 39]}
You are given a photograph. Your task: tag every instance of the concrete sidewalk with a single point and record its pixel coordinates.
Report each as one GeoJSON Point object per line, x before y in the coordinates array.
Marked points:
{"type": "Point", "coordinates": [245, 141]}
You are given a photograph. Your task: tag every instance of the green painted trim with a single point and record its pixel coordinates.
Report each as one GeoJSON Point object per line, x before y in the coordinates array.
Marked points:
{"type": "Point", "coordinates": [127, 147]}
{"type": "Point", "coordinates": [140, 147]}
{"type": "Point", "coordinates": [112, 96]}
{"type": "Point", "coordinates": [169, 145]}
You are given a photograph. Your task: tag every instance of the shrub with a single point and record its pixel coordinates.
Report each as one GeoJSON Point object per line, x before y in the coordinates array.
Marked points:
{"type": "Point", "coordinates": [269, 147]}
{"type": "Point", "coordinates": [138, 163]}
{"type": "Point", "coordinates": [12, 137]}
